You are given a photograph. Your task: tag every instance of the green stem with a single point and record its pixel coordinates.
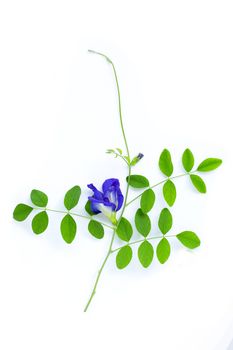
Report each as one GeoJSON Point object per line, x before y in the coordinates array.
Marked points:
{"type": "Point", "coordinates": [159, 183]}
{"type": "Point", "coordinates": [76, 214]}
{"type": "Point", "coordinates": [99, 273]}
{"type": "Point", "coordinates": [129, 173]}
{"type": "Point", "coordinates": [142, 240]}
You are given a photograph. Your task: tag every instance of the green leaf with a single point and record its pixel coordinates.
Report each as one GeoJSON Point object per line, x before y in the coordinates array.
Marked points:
{"type": "Point", "coordinates": [124, 257]}
{"type": "Point", "coordinates": [198, 183]}
{"type": "Point", "coordinates": [72, 197]}
{"type": "Point", "coordinates": [165, 221]}
{"type": "Point", "coordinates": [88, 208]}
{"type": "Point", "coordinates": [40, 222]}
{"type": "Point", "coordinates": [189, 239]}
{"type": "Point", "coordinates": [169, 192]}
{"type": "Point", "coordinates": [163, 250]}
{"type": "Point", "coordinates": [68, 228]}
{"type": "Point", "coordinates": [127, 159]}
{"type": "Point", "coordinates": [147, 200]}
{"type": "Point", "coordinates": [96, 229]}
{"type": "Point", "coordinates": [21, 212]}
{"type": "Point", "coordinates": [39, 198]}
{"type": "Point", "coordinates": [138, 181]}
{"type": "Point", "coordinates": [119, 150]}
{"type": "Point", "coordinates": [142, 222]}
{"type": "Point", "coordinates": [145, 253]}
{"type": "Point", "coordinates": [188, 160]}
{"type": "Point", "coordinates": [209, 164]}
{"type": "Point", "coordinates": [165, 163]}
{"type": "Point", "coordinates": [124, 229]}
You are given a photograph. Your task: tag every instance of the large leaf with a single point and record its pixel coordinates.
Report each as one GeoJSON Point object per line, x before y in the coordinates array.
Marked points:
{"type": "Point", "coordinates": [198, 183]}
{"type": "Point", "coordinates": [188, 160]}
{"type": "Point", "coordinates": [68, 228]}
{"type": "Point", "coordinates": [169, 192]}
{"type": "Point", "coordinates": [142, 222]}
{"type": "Point", "coordinates": [163, 250]}
{"type": "Point", "coordinates": [21, 212]}
{"type": "Point", "coordinates": [165, 163]}
{"type": "Point", "coordinates": [147, 200]}
{"type": "Point", "coordinates": [165, 221]}
{"type": "Point", "coordinates": [145, 253]}
{"type": "Point", "coordinates": [124, 230]}
{"type": "Point", "coordinates": [209, 164]}
{"type": "Point", "coordinates": [39, 198]}
{"type": "Point", "coordinates": [96, 229]}
{"type": "Point", "coordinates": [189, 239]}
{"type": "Point", "coordinates": [138, 181]}
{"type": "Point", "coordinates": [72, 197]}
{"type": "Point", "coordinates": [124, 257]}
{"type": "Point", "coordinates": [40, 222]}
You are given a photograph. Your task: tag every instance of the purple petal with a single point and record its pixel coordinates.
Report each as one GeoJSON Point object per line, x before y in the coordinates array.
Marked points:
{"type": "Point", "coordinates": [110, 183]}
{"type": "Point", "coordinates": [97, 205]}
{"type": "Point", "coordinates": [97, 194]}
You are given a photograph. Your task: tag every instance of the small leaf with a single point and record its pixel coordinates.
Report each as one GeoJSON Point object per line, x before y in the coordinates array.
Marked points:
{"type": "Point", "coordinates": [188, 160]}
{"type": "Point", "coordinates": [40, 222]}
{"type": "Point", "coordinates": [96, 229]}
{"type": "Point", "coordinates": [145, 253]}
{"type": "Point", "coordinates": [163, 250]}
{"type": "Point", "coordinates": [209, 164]}
{"type": "Point", "coordinates": [165, 163]}
{"type": "Point", "coordinates": [119, 150]}
{"type": "Point", "coordinates": [189, 239]}
{"type": "Point", "coordinates": [124, 229]}
{"type": "Point", "coordinates": [138, 181]}
{"type": "Point", "coordinates": [169, 192]}
{"type": "Point", "coordinates": [124, 257]}
{"type": "Point", "coordinates": [39, 198]}
{"type": "Point", "coordinates": [165, 221]}
{"type": "Point", "coordinates": [147, 200]}
{"type": "Point", "coordinates": [68, 228]}
{"type": "Point", "coordinates": [72, 197]}
{"type": "Point", "coordinates": [127, 159]}
{"type": "Point", "coordinates": [21, 212]}
{"type": "Point", "coordinates": [198, 183]}
{"type": "Point", "coordinates": [142, 222]}
{"type": "Point", "coordinates": [88, 208]}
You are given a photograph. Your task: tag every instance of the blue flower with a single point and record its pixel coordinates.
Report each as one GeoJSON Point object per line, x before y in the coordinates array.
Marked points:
{"type": "Point", "coordinates": [109, 201]}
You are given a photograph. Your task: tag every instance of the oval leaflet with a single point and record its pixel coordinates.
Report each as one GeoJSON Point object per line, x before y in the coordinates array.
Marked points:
{"type": "Point", "coordinates": [142, 222]}
{"type": "Point", "coordinates": [96, 229]}
{"type": "Point", "coordinates": [147, 200]}
{"type": "Point", "coordinates": [124, 257]}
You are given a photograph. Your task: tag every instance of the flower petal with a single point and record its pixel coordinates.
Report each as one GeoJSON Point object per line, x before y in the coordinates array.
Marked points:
{"type": "Point", "coordinates": [111, 189]}
{"type": "Point", "coordinates": [109, 183]}
{"type": "Point", "coordinates": [97, 194]}
{"type": "Point", "coordinates": [98, 206]}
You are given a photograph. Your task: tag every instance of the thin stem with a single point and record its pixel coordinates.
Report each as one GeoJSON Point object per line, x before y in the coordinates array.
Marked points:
{"type": "Point", "coordinates": [76, 214]}
{"type": "Point", "coordinates": [99, 273]}
{"type": "Point", "coordinates": [127, 188]}
{"type": "Point", "coordinates": [119, 97]}
{"type": "Point", "coordinates": [159, 183]}
{"type": "Point", "coordinates": [141, 240]}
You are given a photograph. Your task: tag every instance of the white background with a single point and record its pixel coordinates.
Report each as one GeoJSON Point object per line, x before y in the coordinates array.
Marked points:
{"type": "Point", "coordinates": [58, 116]}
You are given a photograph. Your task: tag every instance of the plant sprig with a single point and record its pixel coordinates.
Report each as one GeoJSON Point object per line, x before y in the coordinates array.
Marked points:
{"type": "Point", "coordinates": [111, 203]}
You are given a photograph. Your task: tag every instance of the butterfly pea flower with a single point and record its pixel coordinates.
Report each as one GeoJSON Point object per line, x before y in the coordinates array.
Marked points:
{"type": "Point", "coordinates": [109, 201]}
